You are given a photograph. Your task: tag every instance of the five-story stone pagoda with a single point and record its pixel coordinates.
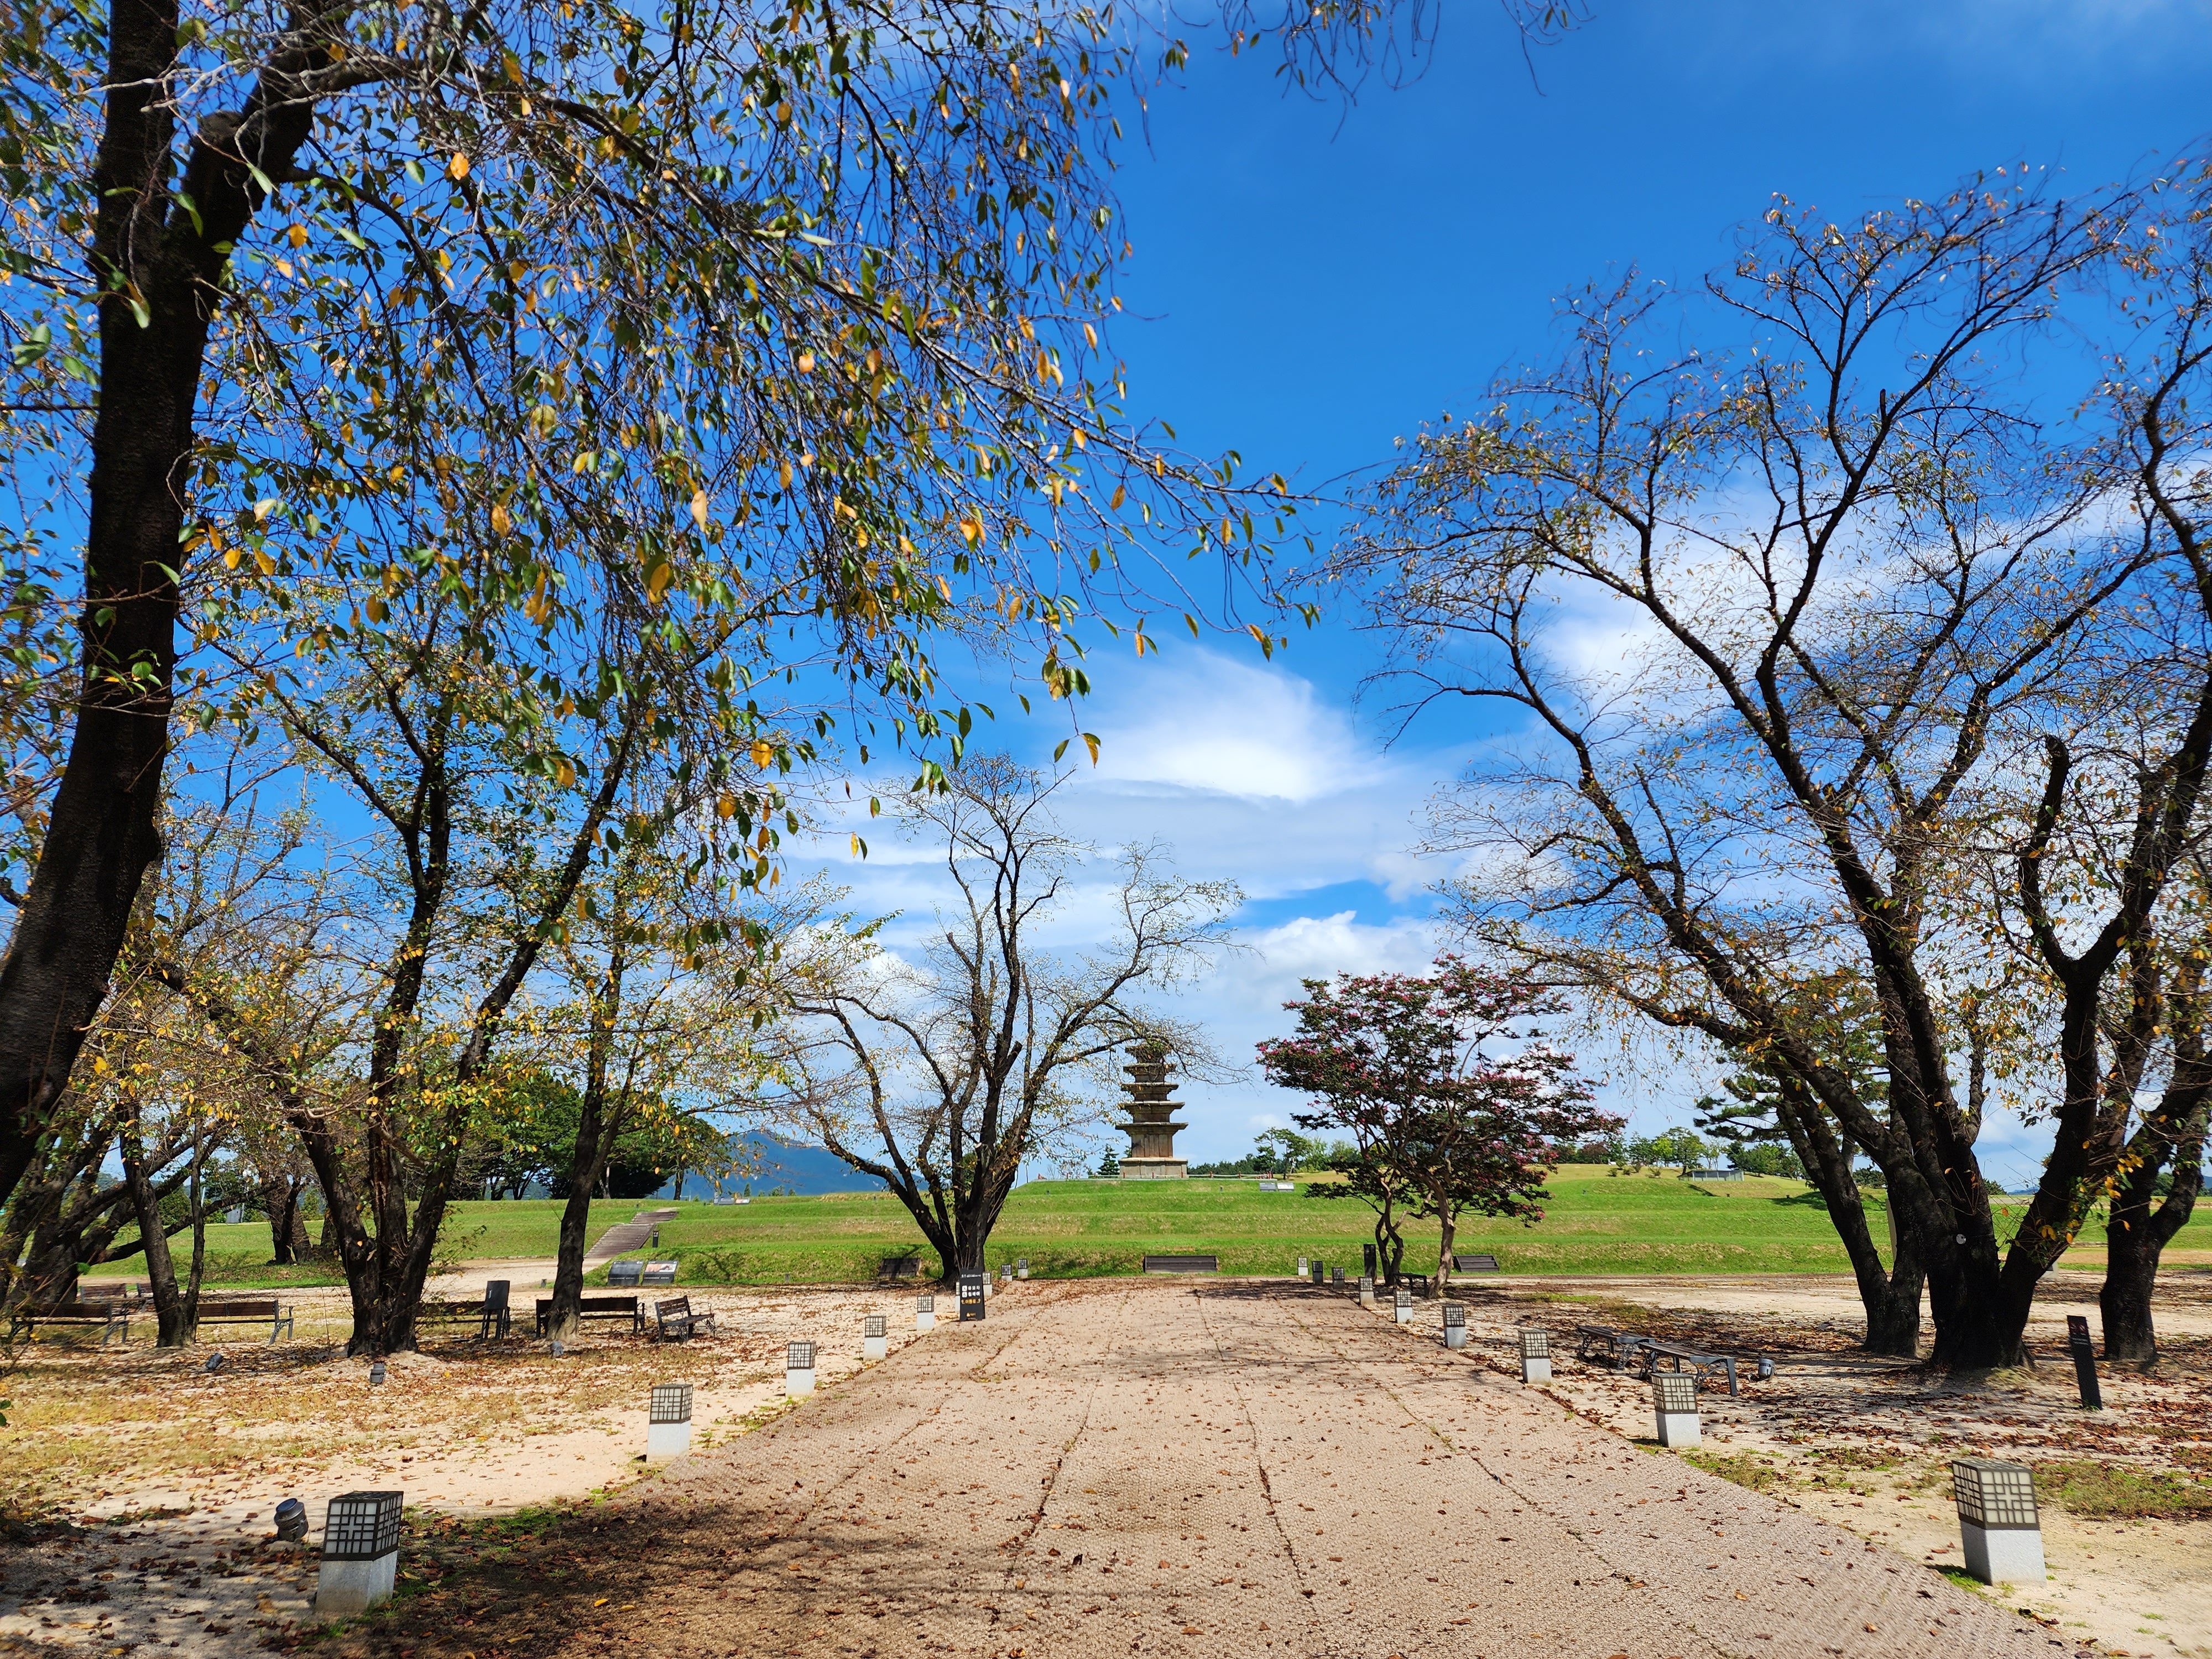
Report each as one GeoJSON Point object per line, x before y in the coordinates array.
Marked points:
{"type": "Point", "coordinates": [1152, 1104]}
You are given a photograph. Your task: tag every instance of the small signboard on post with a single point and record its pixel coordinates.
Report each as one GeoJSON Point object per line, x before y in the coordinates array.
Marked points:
{"type": "Point", "coordinates": [972, 1293]}
{"type": "Point", "coordinates": [2085, 1361]}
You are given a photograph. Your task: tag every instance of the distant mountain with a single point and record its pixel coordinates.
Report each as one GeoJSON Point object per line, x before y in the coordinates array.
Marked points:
{"type": "Point", "coordinates": [782, 1166]}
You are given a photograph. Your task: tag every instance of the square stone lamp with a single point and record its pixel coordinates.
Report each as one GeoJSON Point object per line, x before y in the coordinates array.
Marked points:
{"type": "Point", "coordinates": [875, 1336]}
{"type": "Point", "coordinates": [361, 1552]}
{"type": "Point", "coordinates": [1675, 1402]}
{"type": "Point", "coordinates": [799, 1370]}
{"type": "Point", "coordinates": [668, 1425]}
{"type": "Point", "coordinates": [2000, 1532]}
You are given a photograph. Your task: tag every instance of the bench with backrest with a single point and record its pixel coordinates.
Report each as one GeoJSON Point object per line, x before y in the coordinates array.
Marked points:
{"type": "Point", "coordinates": [676, 1320]}
{"type": "Point", "coordinates": [114, 1318]}
{"type": "Point", "coordinates": [490, 1311]}
{"type": "Point", "coordinates": [659, 1273]}
{"type": "Point", "coordinates": [1682, 1358]}
{"type": "Point", "coordinates": [1419, 1282]}
{"type": "Point", "coordinates": [625, 1272]}
{"type": "Point", "coordinates": [1603, 1342]}
{"type": "Point", "coordinates": [597, 1310]}
{"type": "Point", "coordinates": [1474, 1264]}
{"type": "Point", "coordinates": [249, 1310]}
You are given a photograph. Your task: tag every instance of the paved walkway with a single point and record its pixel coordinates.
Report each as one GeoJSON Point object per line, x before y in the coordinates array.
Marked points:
{"type": "Point", "coordinates": [1137, 1468]}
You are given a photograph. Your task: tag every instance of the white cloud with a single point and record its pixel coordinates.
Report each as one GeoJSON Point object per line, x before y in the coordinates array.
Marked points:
{"type": "Point", "coordinates": [1206, 722]}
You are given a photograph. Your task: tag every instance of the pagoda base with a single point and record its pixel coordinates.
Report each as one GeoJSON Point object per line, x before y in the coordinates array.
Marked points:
{"type": "Point", "coordinates": [1155, 1169]}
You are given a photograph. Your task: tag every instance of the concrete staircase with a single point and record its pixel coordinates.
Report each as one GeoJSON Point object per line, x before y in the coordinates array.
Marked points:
{"type": "Point", "coordinates": [626, 1235]}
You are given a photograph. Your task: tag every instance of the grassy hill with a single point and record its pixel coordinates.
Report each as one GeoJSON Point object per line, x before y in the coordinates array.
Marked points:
{"type": "Point", "coordinates": [1596, 1223]}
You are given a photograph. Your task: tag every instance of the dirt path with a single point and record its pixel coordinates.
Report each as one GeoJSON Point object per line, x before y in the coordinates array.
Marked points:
{"type": "Point", "coordinates": [1141, 1467]}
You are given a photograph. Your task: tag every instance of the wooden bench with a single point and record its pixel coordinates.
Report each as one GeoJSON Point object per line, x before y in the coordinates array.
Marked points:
{"type": "Point", "coordinates": [659, 1273]}
{"type": "Point", "coordinates": [1420, 1281]}
{"type": "Point", "coordinates": [625, 1272]}
{"type": "Point", "coordinates": [605, 1309]}
{"type": "Point", "coordinates": [490, 1312]}
{"type": "Point", "coordinates": [1679, 1358]}
{"type": "Point", "coordinates": [676, 1319]}
{"type": "Point", "coordinates": [249, 1310]}
{"type": "Point", "coordinates": [1603, 1342]}
{"type": "Point", "coordinates": [113, 1318]}
{"type": "Point", "coordinates": [1182, 1264]}
{"type": "Point", "coordinates": [1474, 1264]}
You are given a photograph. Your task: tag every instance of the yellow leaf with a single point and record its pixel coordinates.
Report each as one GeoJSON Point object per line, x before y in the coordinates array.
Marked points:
{"type": "Point", "coordinates": [458, 168]}
{"type": "Point", "coordinates": [726, 806]}
{"type": "Point", "coordinates": [264, 564]}
{"type": "Point", "coordinates": [1091, 744]}
{"type": "Point", "coordinates": [699, 508]}
{"type": "Point", "coordinates": [285, 266]}
{"type": "Point", "coordinates": [971, 530]}
{"type": "Point", "coordinates": [657, 581]}
{"type": "Point", "coordinates": [299, 236]}
{"type": "Point", "coordinates": [230, 559]}
{"type": "Point", "coordinates": [805, 362]}
{"type": "Point", "coordinates": [783, 472]}
{"type": "Point", "coordinates": [501, 521]}
{"type": "Point", "coordinates": [763, 752]}
{"type": "Point", "coordinates": [1091, 334]}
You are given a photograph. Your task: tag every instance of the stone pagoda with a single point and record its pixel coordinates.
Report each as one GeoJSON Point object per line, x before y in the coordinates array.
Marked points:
{"type": "Point", "coordinates": [1151, 1104]}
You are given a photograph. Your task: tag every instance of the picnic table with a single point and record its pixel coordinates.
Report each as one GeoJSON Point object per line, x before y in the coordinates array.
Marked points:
{"type": "Point", "coordinates": [603, 1308]}
{"type": "Point", "coordinates": [1679, 1358]}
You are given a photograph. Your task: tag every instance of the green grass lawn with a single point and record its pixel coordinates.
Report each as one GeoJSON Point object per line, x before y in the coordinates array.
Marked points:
{"type": "Point", "coordinates": [1596, 1223]}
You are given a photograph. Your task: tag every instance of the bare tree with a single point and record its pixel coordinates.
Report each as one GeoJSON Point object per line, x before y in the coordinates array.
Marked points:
{"type": "Point", "coordinates": [1852, 583]}
{"type": "Point", "coordinates": [941, 1077]}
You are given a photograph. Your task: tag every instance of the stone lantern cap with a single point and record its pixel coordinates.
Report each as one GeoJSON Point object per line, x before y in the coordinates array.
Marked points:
{"type": "Point", "coordinates": [671, 1403]}
{"type": "Point", "coordinates": [1995, 1495]}
{"type": "Point", "coordinates": [362, 1525]}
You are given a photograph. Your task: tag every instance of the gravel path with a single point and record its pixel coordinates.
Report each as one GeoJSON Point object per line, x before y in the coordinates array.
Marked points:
{"type": "Point", "coordinates": [1143, 1467]}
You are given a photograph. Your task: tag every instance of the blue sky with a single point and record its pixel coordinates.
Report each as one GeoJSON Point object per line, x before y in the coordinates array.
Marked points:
{"type": "Point", "coordinates": [1312, 281]}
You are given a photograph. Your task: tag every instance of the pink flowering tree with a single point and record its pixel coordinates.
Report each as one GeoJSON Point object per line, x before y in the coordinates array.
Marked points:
{"type": "Point", "coordinates": [1446, 1085]}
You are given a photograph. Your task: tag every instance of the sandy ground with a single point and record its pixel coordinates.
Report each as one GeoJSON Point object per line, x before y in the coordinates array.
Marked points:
{"type": "Point", "coordinates": [170, 1545]}
{"type": "Point", "coordinates": [1143, 1467]}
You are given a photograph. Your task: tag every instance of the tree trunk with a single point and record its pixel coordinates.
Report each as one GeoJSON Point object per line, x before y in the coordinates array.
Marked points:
{"type": "Point", "coordinates": [1891, 1296]}
{"type": "Point", "coordinates": [595, 1145]}
{"type": "Point", "coordinates": [173, 1319]}
{"type": "Point", "coordinates": [100, 834]}
{"type": "Point", "coordinates": [2137, 1233]}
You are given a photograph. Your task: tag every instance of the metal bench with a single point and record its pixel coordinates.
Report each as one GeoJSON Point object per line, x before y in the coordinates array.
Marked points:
{"type": "Point", "coordinates": [1603, 1342]}
{"type": "Point", "coordinates": [675, 1319]}
{"type": "Point", "coordinates": [1680, 1359]}
{"type": "Point", "coordinates": [625, 1272]}
{"type": "Point", "coordinates": [606, 1309]}
{"type": "Point", "coordinates": [249, 1310]}
{"type": "Point", "coordinates": [659, 1273]}
{"type": "Point", "coordinates": [113, 1318]}
{"type": "Point", "coordinates": [1419, 1281]}
{"type": "Point", "coordinates": [1474, 1264]}
{"type": "Point", "coordinates": [899, 1266]}
{"type": "Point", "coordinates": [1182, 1264]}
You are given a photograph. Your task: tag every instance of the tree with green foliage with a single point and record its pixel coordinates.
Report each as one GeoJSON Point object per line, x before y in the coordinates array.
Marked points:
{"type": "Point", "coordinates": [783, 332]}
